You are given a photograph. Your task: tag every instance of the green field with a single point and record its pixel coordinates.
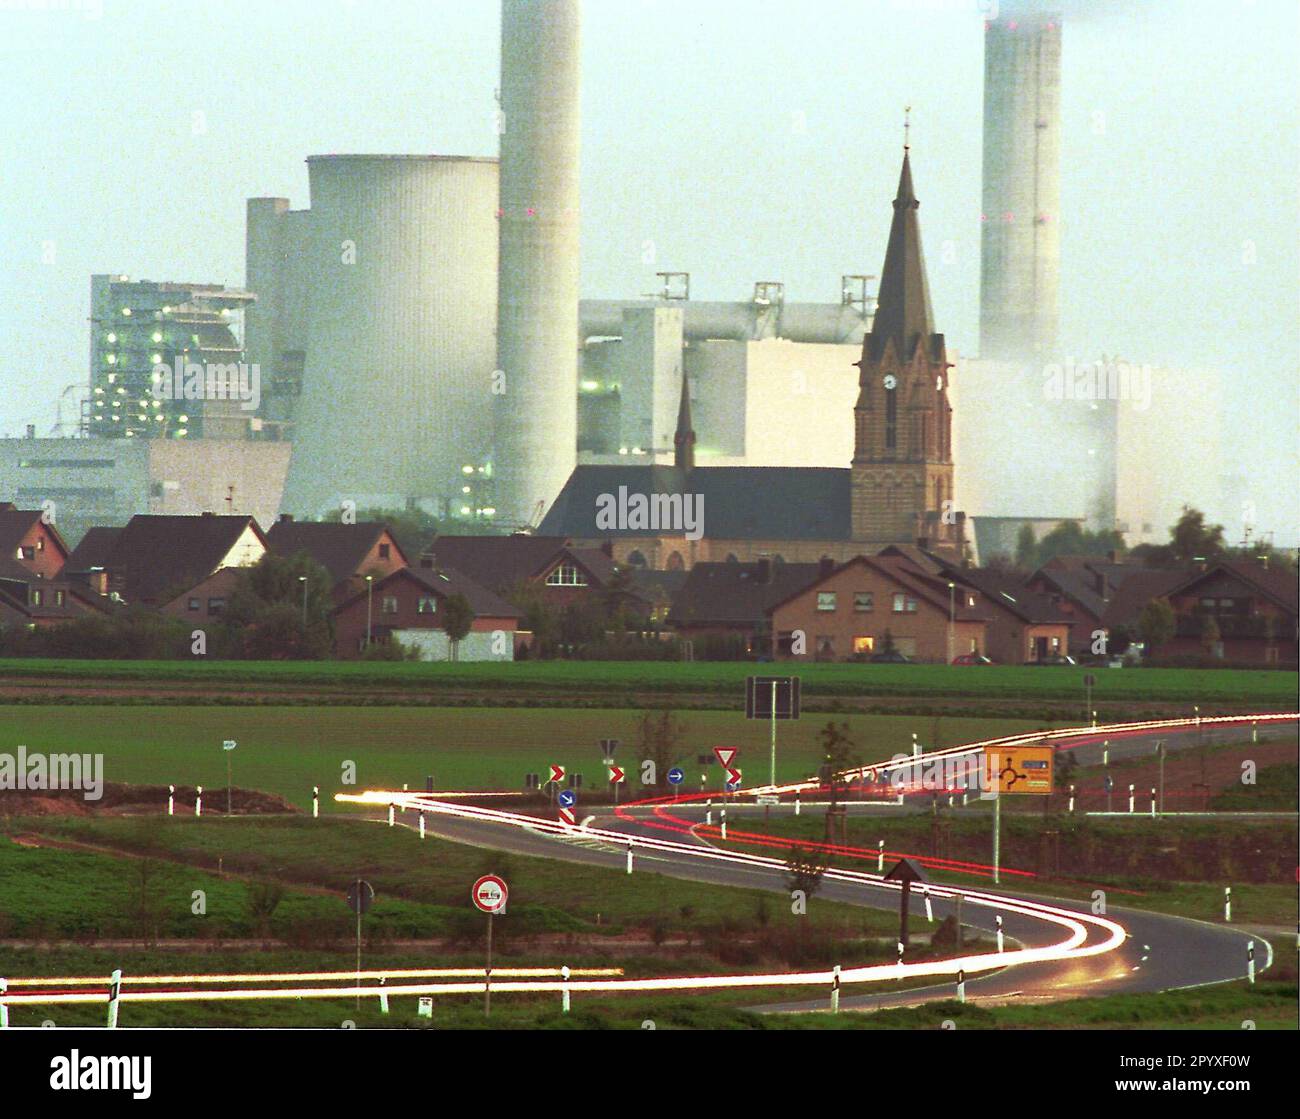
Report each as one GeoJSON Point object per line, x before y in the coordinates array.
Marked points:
{"type": "Point", "coordinates": [287, 750]}
{"type": "Point", "coordinates": [564, 682]}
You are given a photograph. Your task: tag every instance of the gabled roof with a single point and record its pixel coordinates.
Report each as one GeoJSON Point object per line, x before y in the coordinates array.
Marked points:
{"type": "Point", "coordinates": [154, 554]}
{"type": "Point", "coordinates": [499, 562]}
{"type": "Point", "coordinates": [16, 523]}
{"type": "Point", "coordinates": [1077, 586]}
{"type": "Point", "coordinates": [337, 547]}
{"type": "Point", "coordinates": [740, 502]}
{"type": "Point", "coordinates": [1135, 592]}
{"type": "Point", "coordinates": [1008, 593]}
{"type": "Point", "coordinates": [445, 582]}
{"type": "Point", "coordinates": [734, 593]}
{"type": "Point", "coordinates": [1273, 583]}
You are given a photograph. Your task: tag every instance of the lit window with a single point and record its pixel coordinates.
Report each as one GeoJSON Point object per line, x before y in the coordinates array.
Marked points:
{"type": "Point", "coordinates": [427, 605]}
{"type": "Point", "coordinates": [566, 575]}
{"type": "Point", "coordinates": [900, 603]}
{"type": "Point", "coordinates": [193, 604]}
{"type": "Point", "coordinates": [216, 605]}
{"type": "Point", "coordinates": [863, 601]}
{"type": "Point", "coordinates": [389, 605]}
{"type": "Point", "coordinates": [825, 600]}
{"type": "Point", "coordinates": [911, 606]}
{"type": "Point", "coordinates": [865, 644]}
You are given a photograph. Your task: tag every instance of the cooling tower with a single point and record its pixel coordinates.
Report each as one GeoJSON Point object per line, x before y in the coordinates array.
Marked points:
{"type": "Point", "coordinates": [400, 283]}
{"type": "Point", "coordinates": [1020, 234]}
{"type": "Point", "coordinates": [537, 333]}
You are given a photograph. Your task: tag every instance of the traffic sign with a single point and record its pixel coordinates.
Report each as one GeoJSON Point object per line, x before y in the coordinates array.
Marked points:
{"type": "Point", "coordinates": [557, 773]}
{"type": "Point", "coordinates": [568, 798]}
{"type": "Point", "coordinates": [228, 744]}
{"type": "Point", "coordinates": [726, 755]}
{"type": "Point", "coordinates": [762, 691]}
{"type": "Point", "coordinates": [567, 816]}
{"type": "Point", "coordinates": [733, 782]}
{"type": "Point", "coordinates": [1018, 769]}
{"type": "Point", "coordinates": [676, 776]}
{"type": "Point", "coordinates": [616, 774]}
{"type": "Point", "coordinates": [361, 894]}
{"type": "Point", "coordinates": [608, 746]}
{"type": "Point", "coordinates": [489, 893]}
{"type": "Point", "coordinates": [769, 800]}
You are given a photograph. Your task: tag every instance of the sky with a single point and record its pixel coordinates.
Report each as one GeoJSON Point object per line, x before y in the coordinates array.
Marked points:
{"type": "Point", "coordinates": [738, 140]}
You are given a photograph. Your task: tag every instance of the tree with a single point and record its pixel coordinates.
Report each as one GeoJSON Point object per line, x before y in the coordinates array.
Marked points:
{"type": "Point", "coordinates": [839, 752]}
{"type": "Point", "coordinates": [266, 609]}
{"type": "Point", "coordinates": [1191, 538]}
{"type": "Point", "coordinates": [457, 620]}
{"type": "Point", "coordinates": [1156, 623]}
{"type": "Point", "coordinates": [261, 902]}
{"type": "Point", "coordinates": [807, 868]}
{"type": "Point", "coordinates": [1026, 547]}
{"type": "Point", "coordinates": [658, 737]}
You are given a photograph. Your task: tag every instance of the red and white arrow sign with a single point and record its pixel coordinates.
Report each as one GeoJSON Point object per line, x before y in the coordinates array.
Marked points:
{"type": "Point", "coordinates": [557, 773]}
{"type": "Point", "coordinates": [726, 755]}
{"type": "Point", "coordinates": [733, 776]}
{"type": "Point", "coordinates": [616, 774]}
{"type": "Point", "coordinates": [567, 817]}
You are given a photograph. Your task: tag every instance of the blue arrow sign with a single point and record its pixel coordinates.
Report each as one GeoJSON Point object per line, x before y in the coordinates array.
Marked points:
{"type": "Point", "coordinates": [568, 798]}
{"type": "Point", "coordinates": [676, 776]}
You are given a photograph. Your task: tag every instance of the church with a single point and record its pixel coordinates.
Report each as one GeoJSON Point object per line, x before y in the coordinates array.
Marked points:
{"type": "Point", "coordinates": [898, 489]}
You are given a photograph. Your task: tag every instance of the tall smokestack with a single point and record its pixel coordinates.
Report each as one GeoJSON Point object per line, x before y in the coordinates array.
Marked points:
{"type": "Point", "coordinates": [537, 315]}
{"type": "Point", "coordinates": [1020, 237]}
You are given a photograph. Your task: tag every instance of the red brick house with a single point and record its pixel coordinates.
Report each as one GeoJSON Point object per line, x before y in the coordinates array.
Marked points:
{"type": "Point", "coordinates": [407, 606]}
{"type": "Point", "coordinates": [849, 608]}
{"type": "Point", "coordinates": [32, 558]}
{"type": "Point", "coordinates": [348, 552]}
{"type": "Point", "coordinates": [1024, 627]}
{"type": "Point", "coordinates": [29, 541]}
{"type": "Point", "coordinates": [207, 599]}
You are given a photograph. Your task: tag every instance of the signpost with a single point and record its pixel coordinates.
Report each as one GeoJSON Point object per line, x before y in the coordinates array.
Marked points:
{"type": "Point", "coordinates": [607, 748]}
{"type": "Point", "coordinates": [1014, 771]}
{"type": "Point", "coordinates": [490, 894]}
{"type": "Point", "coordinates": [771, 698]}
{"type": "Point", "coordinates": [905, 871]}
{"type": "Point", "coordinates": [675, 778]}
{"type": "Point", "coordinates": [726, 755]}
{"type": "Point", "coordinates": [229, 747]}
{"type": "Point", "coordinates": [361, 895]}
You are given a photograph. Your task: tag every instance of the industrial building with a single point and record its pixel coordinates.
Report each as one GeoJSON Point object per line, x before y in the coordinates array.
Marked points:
{"type": "Point", "coordinates": [138, 326]}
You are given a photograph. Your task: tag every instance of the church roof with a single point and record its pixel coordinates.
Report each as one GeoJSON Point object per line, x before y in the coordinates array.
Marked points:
{"type": "Point", "coordinates": [740, 502]}
{"type": "Point", "coordinates": [903, 312]}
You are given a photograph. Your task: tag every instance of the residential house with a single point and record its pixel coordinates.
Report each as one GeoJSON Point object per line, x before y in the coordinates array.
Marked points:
{"type": "Point", "coordinates": [349, 552]}
{"type": "Point", "coordinates": [732, 599]}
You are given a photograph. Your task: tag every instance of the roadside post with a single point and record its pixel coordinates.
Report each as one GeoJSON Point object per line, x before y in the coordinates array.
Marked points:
{"type": "Point", "coordinates": [1227, 903]}
{"type": "Point", "coordinates": [929, 909]}
{"type": "Point", "coordinates": [1071, 808]}
{"type": "Point", "coordinates": [880, 855]}
{"type": "Point", "coordinates": [905, 872]}
{"type": "Point", "coordinates": [114, 994]}
{"type": "Point", "coordinates": [1000, 940]}
{"type": "Point", "coordinates": [723, 816]}
{"type": "Point", "coordinates": [835, 990]}
{"type": "Point", "coordinates": [564, 991]}
{"type": "Point", "coordinates": [171, 800]}
{"type": "Point", "coordinates": [4, 1009]}
{"type": "Point", "coordinates": [383, 995]}
{"type": "Point", "coordinates": [489, 894]}
{"type": "Point", "coordinates": [1250, 961]}
{"type": "Point", "coordinates": [315, 802]}
{"type": "Point", "coordinates": [1131, 798]}
{"type": "Point", "coordinates": [421, 825]}
{"type": "Point", "coordinates": [361, 895]}
{"type": "Point", "coordinates": [629, 856]}
{"type": "Point", "coordinates": [961, 985]}
{"type": "Point", "coordinates": [229, 747]}
{"type": "Point", "coordinates": [771, 698]}
{"type": "Point", "coordinates": [392, 814]}
{"type": "Point", "coordinates": [198, 800]}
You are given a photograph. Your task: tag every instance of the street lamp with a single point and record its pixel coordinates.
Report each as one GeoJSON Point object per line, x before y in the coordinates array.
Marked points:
{"type": "Point", "coordinates": [952, 617]}
{"type": "Point", "coordinates": [303, 580]}
{"type": "Point", "coordinates": [370, 588]}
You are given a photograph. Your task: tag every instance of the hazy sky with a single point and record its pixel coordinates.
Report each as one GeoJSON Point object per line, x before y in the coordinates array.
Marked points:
{"type": "Point", "coordinates": [742, 139]}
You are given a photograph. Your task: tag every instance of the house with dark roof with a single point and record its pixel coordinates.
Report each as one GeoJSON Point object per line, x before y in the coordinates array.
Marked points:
{"type": "Point", "coordinates": [152, 559]}
{"type": "Point", "coordinates": [1079, 594]}
{"type": "Point", "coordinates": [349, 552]}
{"type": "Point", "coordinates": [732, 599]}
{"type": "Point", "coordinates": [1025, 627]}
{"type": "Point", "coordinates": [898, 488]}
{"type": "Point", "coordinates": [858, 608]}
{"type": "Point", "coordinates": [408, 606]}
{"type": "Point", "coordinates": [33, 591]}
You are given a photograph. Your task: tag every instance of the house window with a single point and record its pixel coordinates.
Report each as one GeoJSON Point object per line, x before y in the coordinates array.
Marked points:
{"type": "Point", "coordinates": [40, 544]}
{"type": "Point", "coordinates": [825, 600]}
{"type": "Point", "coordinates": [193, 604]}
{"type": "Point", "coordinates": [900, 603]}
{"type": "Point", "coordinates": [38, 598]}
{"type": "Point", "coordinates": [891, 419]}
{"type": "Point", "coordinates": [58, 598]}
{"type": "Point", "coordinates": [864, 644]}
{"type": "Point", "coordinates": [389, 605]}
{"type": "Point", "coordinates": [566, 575]}
{"type": "Point", "coordinates": [383, 551]}
{"type": "Point", "coordinates": [27, 553]}
{"type": "Point", "coordinates": [426, 605]}
{"type": "Point", "coordinates": [863, 601]}
{"type": "Point", "coordinates": [216, 605]}
{"type": "Point", "coordinates": [911, 606]}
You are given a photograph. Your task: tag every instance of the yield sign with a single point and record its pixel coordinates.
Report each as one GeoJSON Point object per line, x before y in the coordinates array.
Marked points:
{"type": "Point", "coordinates": [616, 775]}
{"type": "Point", "coordinates": [557, 773]}
{"type": "Point", "coordinates": [726, 755]}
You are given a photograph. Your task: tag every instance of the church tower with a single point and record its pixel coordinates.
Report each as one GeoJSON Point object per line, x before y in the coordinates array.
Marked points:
{"type": "Point", "coordinates": [902, 458]}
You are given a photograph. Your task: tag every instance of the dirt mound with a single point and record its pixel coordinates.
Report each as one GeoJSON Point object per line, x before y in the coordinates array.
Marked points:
{"type": "Point", "coordinates": [119, 799]}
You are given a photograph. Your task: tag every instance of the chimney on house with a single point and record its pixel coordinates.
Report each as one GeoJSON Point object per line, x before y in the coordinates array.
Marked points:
{"type": "Point", "coordinates": [825, 566]}
{"type": "Point", "coordinates": [428, 560]}
{"type": "Point", "coordinates": [286, 518]}
{"type": "Point", "coordinates": [764, 569]}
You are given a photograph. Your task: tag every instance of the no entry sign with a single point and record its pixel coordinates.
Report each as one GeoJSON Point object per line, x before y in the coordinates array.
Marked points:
{"type": "Point", "coordinates": [490, 893]}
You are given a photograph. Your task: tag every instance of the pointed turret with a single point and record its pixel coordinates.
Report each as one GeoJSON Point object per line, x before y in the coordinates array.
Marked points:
{"type": "Point", "coordinates": [684, 438]}
{"type": "Point", "coordinates": [903, 307]}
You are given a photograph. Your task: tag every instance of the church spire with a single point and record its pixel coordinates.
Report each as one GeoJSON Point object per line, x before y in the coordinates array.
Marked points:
{"type": "Point", "coordinates": [684, 439]}
{"type": "Point", "coordinates": [903, 304]}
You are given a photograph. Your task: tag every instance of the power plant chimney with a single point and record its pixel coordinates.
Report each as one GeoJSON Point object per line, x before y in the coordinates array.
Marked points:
{"type": "Point", "coordinates": [537, 308]}
{"type": "Point", "coordinates": [1020, 235]}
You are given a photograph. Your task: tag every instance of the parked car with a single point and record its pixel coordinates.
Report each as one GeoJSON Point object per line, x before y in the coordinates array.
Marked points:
{"type": "Point", "coordinates": [892, 657]}
{"type": "Point", "coordinates": [971, 658]}
{"type": "Point", "coordinates": [1054, 659]}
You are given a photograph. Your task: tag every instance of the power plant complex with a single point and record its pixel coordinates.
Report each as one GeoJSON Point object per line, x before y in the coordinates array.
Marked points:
{"type": "Point", "coordinates": [420, 343]}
